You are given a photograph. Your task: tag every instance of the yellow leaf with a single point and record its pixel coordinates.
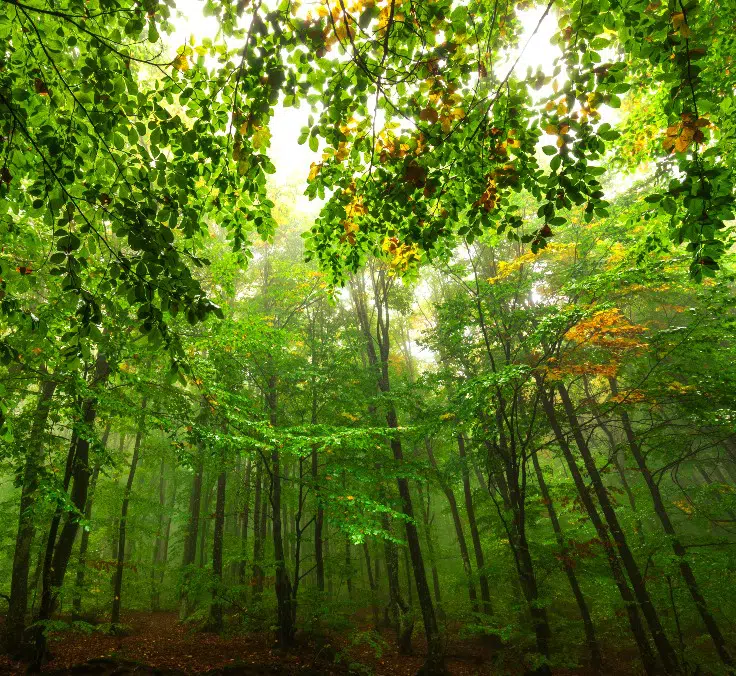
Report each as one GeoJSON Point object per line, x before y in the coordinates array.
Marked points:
{"type": "Point", "coordinates": [314, 170]}
{"type": "Point", "coordinates": [181, 62]}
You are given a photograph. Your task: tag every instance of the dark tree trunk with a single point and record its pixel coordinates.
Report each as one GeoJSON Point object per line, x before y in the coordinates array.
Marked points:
{"type": "Point", "coordinates": [590, 637]}
{"type": "Point", "coordinates": [428, 519]}
{"type": "Point", "coordinates": [159, 540]}
{"type": "Point", "coordinates": [242, 568]}
{"type": "Point", "coordinates": [205, 529]}
{"type": "Point", "coordinates": [190, 539]}
{"type": "Point", "coordinates": [18, 601]}
{"type": "Point", "coordinates": [435, 660]}
{"type": "Point", "coordinates": [485, 592]}
{"type": "Point", "coordinates": [319, 560]}
{"type": "Point", "coordinates": [215, 621]}
{"type": "Point", "coordinates": [84, 540]}
{"type": "Point", "coordinates": [123, 528]}
{"type": "Point", "coordinates": [58, 552]}
{"type": "Point", "coordinates": [459, 533]}
{"type": "Point", "coordinates": [666, 652]}
{"type": "Point", "coordinates": [285, 615]}
{"type": "Point", "coordinates": [398, 610]}
{"type": "Point", "coordinates": [258, 507]}
{"type": "Point", "coordinates": [371, 584]}
{"type": "Point", "coordinates": [637, 629]}
{"type": "Point", "coordinates": [348, 568]}
{"type": "Point", "coordinates": [685, 569]}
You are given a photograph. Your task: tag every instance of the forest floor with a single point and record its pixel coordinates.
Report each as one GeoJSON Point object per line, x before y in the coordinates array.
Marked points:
{"type": "Point", "coordinates": [158, 644]}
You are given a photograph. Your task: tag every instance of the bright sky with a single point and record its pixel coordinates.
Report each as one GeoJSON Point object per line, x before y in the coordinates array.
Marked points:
{"type": "Point", "coordinates": [291, 160]}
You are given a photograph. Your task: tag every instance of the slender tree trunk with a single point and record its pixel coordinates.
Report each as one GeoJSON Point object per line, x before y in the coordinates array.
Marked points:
{"type": "Point", "coordinates": [637, 629]}
{"type": "Point", "coordinates": [190, 540]}
{"type": "Point", "coordinates": [398, 610]}
{"type": "Point", "coordinates": [18, 602]}
{"type": "Point", "coordinates": [205, 529]}
{"type": "Point", "coordinates": [319, 560]}
{"type": "Point", "coordinates": [284, 599]}
{"type": "Point", "coordinates": [159, 540]}
{"type": "Point", "coordinates": [485, 592]}
{"type": "Point", "coordinates": [666, 652]}
{"type": "Point", "coordinates": [285, 621]}
{"type": "Point", "coordinates": [84, 540]}
{"type": "Point", "coordinates": [590, 637]}
{"type": "Point", "coordinates": [371, 584]}
{"type": "Point", "coordinates": [348, 568]}
{"type": "Point", "coordinates": [459, 533]}
{"type": "Point", "coordinates": [616, 455]}
{"type": "Point", "coordinates": [242, 568]}
{"type": "Point", "coordinates": [215, 621]}
{"type": "Point", "coordinates": [407, 571]}
{"type": "Point", "coordinates": [59, 552]}
{"type": "Point", "coordinates": [435, 660]}
{"type": "Point", "coordinates": [659, 507]}
{"type": "Point", "coordinates": [523, 560]}
{"type": "Point", "coordinates": [167, 536]}
{"type": "Point", "coordinates": [259, 505]}
{"type": "Point", "coordinates": [428, 519]}
{"type": "Point", "coordinates": [123, 528]}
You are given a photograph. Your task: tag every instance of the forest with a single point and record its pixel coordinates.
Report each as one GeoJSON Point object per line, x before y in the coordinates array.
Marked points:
{"type": "Point", "coordinates": [368, 337]}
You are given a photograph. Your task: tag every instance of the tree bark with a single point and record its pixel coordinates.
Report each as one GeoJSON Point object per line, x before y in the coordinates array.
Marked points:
{"type": "Point", "coordinates": [637, 629]}
{"type": "Point", "coordinates": [190, 540]}
{"type": "Point", "coordinates": [18, 602]}
{"type": "Point", "coordinates": [659, 507]}
{"type": "Point", "coordinates": [485, 592]}
{"type": "Point", "coordinates": [590, 638]}
{"type": "Point", "coordinates": [84, 542]}
{"type": "Point", "coordinates": [435, 660]}
{"type": "Point", "coordinates": [159, 540]}
{"type": "Point", "coordinates": [428, 519]}
{"type": "Point", "coordinates": [666, 652]}
{"type": "Point", "coordinates": [123, 528]}
{"type": "Point", "coordinates": [258, 506]}
{"type": "Point", "coordinates": [242, 568]}
{"type": "Point", "coordinates": [58, 552]}
{"type": "Point", "coordinates": [215, 620]}
{"type": "Point", "coordinates": [459, 533]}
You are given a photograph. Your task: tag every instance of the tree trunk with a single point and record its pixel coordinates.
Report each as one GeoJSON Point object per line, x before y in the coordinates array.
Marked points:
{"type": "Point", "coordinates": [204, 530]}
{"type": "Point", "coordinates": [123, 528]}
{"type": "Point", "coordinates": [159, 540]}
{"type": "Point", "coordinates": [666, 652]}
{"type": "Point", "coordinates": [215, 621]}
{"type": "Point", "coordinates": [244, 526]}
{"type": "Point", "coordinates": [319, 561]}
{"type": "Point", "coordinates": [285, 621]}
{"type": "Point", "coordinates": [348, 568]}
{"type": "Point", "coordinates": [659, 507]}
{"type": "Point", "coordinates": [428, 519]}
{"type": "Point", "coordinates": [435, 660]}
{"type": "Point", "coordinates": [637, 629]}
{"type": "Point", "coordinates": [590, 637]}
{"type": "Point", "coordinates": [84, 543]}
{"type": "Point", "coordinates": [58, 552]}
{"type": "Point", "coordinates": [259, 505]}
{"type": "Point", "coordinates": [190, 540]}
{"type": "Point", "coordinates": [485, 592]}
{"type": "Point", "coordinates": [371, 584]}
{"type": "Point", "coordinates": [18, 602]}
{"type": "Point", "coordinates": [459, 533]}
